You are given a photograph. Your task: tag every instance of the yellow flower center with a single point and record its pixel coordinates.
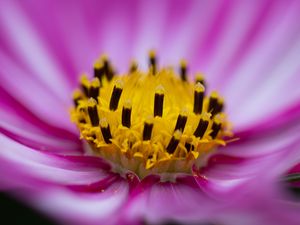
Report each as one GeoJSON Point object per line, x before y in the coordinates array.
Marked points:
{"type": "Point", "coordinates": [153, 122]}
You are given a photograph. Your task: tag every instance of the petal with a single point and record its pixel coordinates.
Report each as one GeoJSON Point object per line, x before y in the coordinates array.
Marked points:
{"type": "Point", "coordinates": [162, 201]}
{"type": "Point", "coordinates": [101, 207]}
{"type": "Point", "coordinates": [269, 68]}
{"type": "Point", "coordinates": [41, 104]}
{"type": "Point", "coordinates": [245, 63]}
{"type": "Point", "coordinates": [31, 50]}
{"type": "Point", "coordinates": [74, 189]}
{"type": "Point", "coordinates": [261, 143]}
{"type": "Point", "coordinates": [285, 119]}
{"type": "Point", "coordinates": [27, 164]}
{"type": "Point", "coordinates": [21, 124]}
{"type": "Point", "coordinates": [236, 165]}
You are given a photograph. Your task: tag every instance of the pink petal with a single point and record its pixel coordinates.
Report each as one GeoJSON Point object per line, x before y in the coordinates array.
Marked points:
{"type": "Point", "coordinates": [25, 163]}
{"type": "Point", "coordinates": [162, 201]}
{"type": "Point", "coordinates": [31, 50]}
{"type": "Point", "coordinates": [285, 119]}
{"type": "Point", "coordinates": [101, 207]}
{"type": "Point", "coordinates": [21, 124]}
{"type": "Point", "coordinates": [41, 104]}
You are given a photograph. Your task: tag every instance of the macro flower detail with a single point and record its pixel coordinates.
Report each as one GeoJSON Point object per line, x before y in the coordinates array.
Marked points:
{"type": "Point", "coordinates": [153, 122]}
{"type": "Point", "coordinates": [143, 143]}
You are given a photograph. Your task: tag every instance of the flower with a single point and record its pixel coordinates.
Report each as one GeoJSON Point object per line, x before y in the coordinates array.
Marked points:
{"type": "Point", "coordinates": [248, 51]}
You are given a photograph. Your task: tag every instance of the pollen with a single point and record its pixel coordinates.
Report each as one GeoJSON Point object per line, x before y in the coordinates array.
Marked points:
{"type": "Point", "coordinates": [149, 122]}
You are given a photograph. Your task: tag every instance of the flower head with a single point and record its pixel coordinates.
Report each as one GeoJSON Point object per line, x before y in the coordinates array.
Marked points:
{"type": "Point", "coordinates": [154, 122]}
{"type": "Point", "coordinates": [248, 51]}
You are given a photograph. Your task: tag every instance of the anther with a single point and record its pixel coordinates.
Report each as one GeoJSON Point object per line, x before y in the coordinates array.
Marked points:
{"type": "Point", "coordinates": [126, 114]}
{"type": "Point", "coordinates": [159, 101]}
{"type": "Point", "coordinates": [108, 71]}
{"type": "Point", "coordinates": [133, 67]}
{"type": "Point", "coordinates": [181, 121]}
{"type": "Point", "coordinates": [115, 96]}
{"type": "Point", "coordinates": [202, 126]}
{"type": "Point", "coordinates": [105, 129]}
{"type": "Point", "coordinates": [147, 132]}
{"type": "Point", "coordinates": [99, 70]}
{"type": "Point", "coordinates": [213, 104]}
{"type": "Point", "coordinates": [174, 142]}
{"type": "Point", "coordinates": [82, 120]}
{"type": "Point", "coordinates": [77, 97]}
{"type": "Point", "coordinates": [84, 85]}
{"type": "Point", "coordinates": [82, 113]}
{"type": "Point", "coordinates": [152, 61]}
{"type": "Point", "coordinates": [93, 112]}
{"type": "Point", "coordinates": [94, 89]}
{"type": "Point", "coordinates": [216, 127]}
{"type": "Point", "coordinates": [200, 79]}
{"type": "Point", "coordinates": [198, 98]}
{"type": "Point", "coordinates": [188, 145]}
{"type": "Point", "coordinates": [220, 106]}
{"type": "Point", "coordinates": [183, 70]}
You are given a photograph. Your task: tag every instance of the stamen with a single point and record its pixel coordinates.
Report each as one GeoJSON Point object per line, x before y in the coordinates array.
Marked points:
{"type": "Point", "coordinates": [77, 97]}
{"type": "Point", "coordinates": [181, 121]}
{"type": "Point", "coordinates": [84, 84]}
{"type": "Point", "coordinates": [108, 71]}
{"type": "Point", "coordinates": [183, 70]}
{"type": "Point", "coordinates": [94, 89]}
{"type": "Point", "coordinates": [220, 106]}
{"type": "Point", "coordinates": [133, 67]}
{"type": "Point", "coordinates": [99, 71]}
{"type": "Point", "coordinates": [126, 114]}
{"type": "Point", "coordinates": [216, 127]}
{"type": "Point", "coordinates": [174, 142]}
{"type": "Point", "coordinates": [82, 120]}
{"type": "Point", "coordinates": [115, 96]}
{"type": "Point", "coordinates": [159, 101]}
{"type": "Point", "coordinates": [105, 129]}
{"type": "Point", "coordinates": [152, 61]}
{"type": "Point", "coordinates": [200, 79]}
{"type": "Point", "coordinates": [188, 145]}
{"type": "Point", "coordinates": [93, 112]}
{"type": "Point", "coordinates": [202, 126]}
{"type": "Point", "coordinates": [82, 113]}
{"type": "Point", "coordinates": [148, 127]}
{"type": "Point", "coordinates": [198, 98]}
{"type": "Point", "coordinates": [213, 103]}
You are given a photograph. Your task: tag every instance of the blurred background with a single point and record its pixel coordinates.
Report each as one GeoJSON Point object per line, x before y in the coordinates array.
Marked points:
{"type": "Point", "coordinates": [18, 213]}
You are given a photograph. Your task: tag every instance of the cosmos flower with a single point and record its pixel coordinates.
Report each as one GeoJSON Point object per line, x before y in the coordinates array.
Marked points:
{"type": "Point", "coordinates": [248, 52]}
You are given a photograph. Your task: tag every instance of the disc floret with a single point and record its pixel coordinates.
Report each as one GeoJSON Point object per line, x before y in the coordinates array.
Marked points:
{"type": "Point", "coordinates": [153, 122]}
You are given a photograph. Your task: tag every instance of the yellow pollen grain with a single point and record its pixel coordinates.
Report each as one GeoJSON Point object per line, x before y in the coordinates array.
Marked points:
{"type": "Point", "coordinates": [159, 89]}
{"type": "Point", "coordinates": [119, 84]}
{"type": "Point", "coordinates": [184, 111]}
{"type": "Point", "coordinates": [199, 76]}
{"type": "Point", "coordinates": [91, 102]}
{"type": "Point", "coordinates": [152, 54]}
{"type": "Point", "coordinates": [183, 63]}
{"type": "Point", "coordinates": [98, 64]}
{"type": "Point", "coordinates": [84, 80]}
{"type": "Point", "coordinates": [214, 94]}
{"type": "Point", "coordinates": [103, 122]}
{"type": "Point", "coordinates": [177, 134]}
{"type": "Point", "coordinates": [95, 82]}
{"type": "Point", "coordinates": [128, 104]}
{"type": "Point", "coordinates": [199, 87]}
{"type": "Point", "coordinates": [77, 94]}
